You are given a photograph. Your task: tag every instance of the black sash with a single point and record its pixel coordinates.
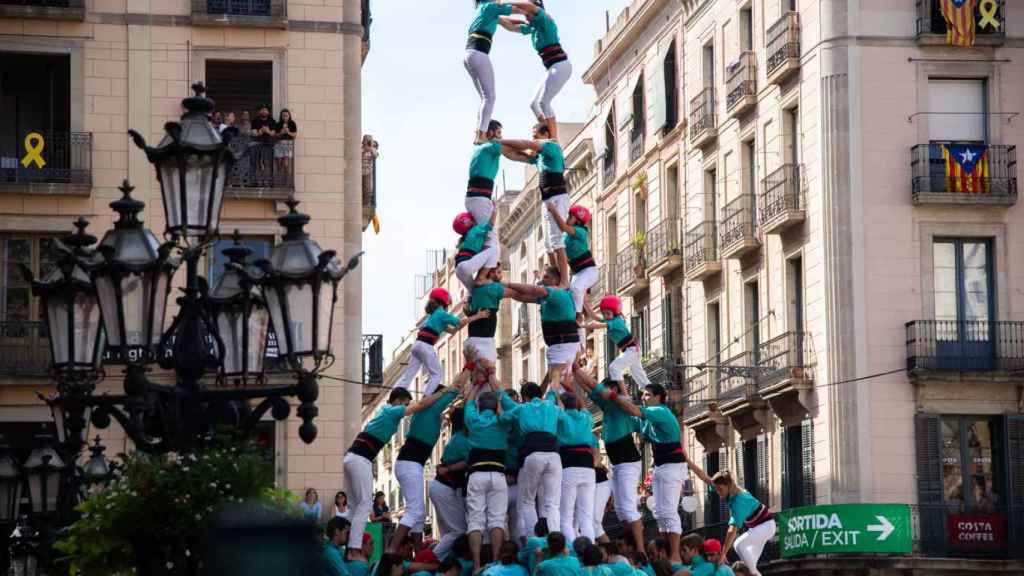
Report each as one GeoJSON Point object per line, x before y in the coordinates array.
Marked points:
{"type": "Point", "coordinates": [539, 442]}
{"type": "Point", "coordinates": [366, 445]}
{"type": "Point", "coordinates": [463, 255]}
{"type": "Point", "coordinates": [551, 55]}
{"type": "Point", "coordinates": [626, 342]}
{"type": "Point", "coordinates": [427, 335]}
{"type": "Point", "coordinates": [415, 450]}
{"type": "Point", "coordinates": [622, 450]}
{"type": "Point", "coordinates": [581, 456]}
{"type": "Point", "coordinates": [479, 41]}
{"type": "Point", "coordinates": [564, 332]}
{"type": "Point", "coordinates": [552, 184]}
{"type": "Point", "coordinates": [584, 261]}
{"type": "Point", "coordinates": [667, 453]}
{"type": "Point", "coordinates": [484, 327]}
{"type": "Point", "coordinates": [600, 475]}
{"type": "Point", "coordinates": [484, 460]}
{"type": "Point", "coordinates": [479, 187]}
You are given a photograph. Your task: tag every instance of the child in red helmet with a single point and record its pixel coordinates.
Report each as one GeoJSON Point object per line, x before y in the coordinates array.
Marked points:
{"type": "Point", "coordinates": [629, 356]}
{"type": "Point", "coordinates": [577, 250]}
{"type": "Point", "coordinates": [423, 353]}
{"type": "Point", "coordinates": [477, 252]}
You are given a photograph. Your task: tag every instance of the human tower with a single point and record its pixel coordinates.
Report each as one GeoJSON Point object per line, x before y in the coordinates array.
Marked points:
{"type": "Point", "coordinates": [523, 468]}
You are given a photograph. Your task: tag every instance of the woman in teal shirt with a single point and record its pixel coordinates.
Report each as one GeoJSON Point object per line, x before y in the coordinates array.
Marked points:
{"type": "Point", "coordinates": [577, 251]}
{"type": "Point", "coordinates": [478, 59]}
{"type": "Point", "coordinates": [543, 32]}
{"type": "Point", "coordinates": [744, 511]}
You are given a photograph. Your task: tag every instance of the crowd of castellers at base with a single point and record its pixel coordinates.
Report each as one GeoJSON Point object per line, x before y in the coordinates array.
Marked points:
{"type": "Point", "coordinates": [522, 485]}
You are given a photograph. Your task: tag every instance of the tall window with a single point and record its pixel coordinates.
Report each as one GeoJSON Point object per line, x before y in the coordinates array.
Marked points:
{"type": "Point", "coordinates": [640, 213]}
{"type": "Point", "coordinates": [795, 287]}
{"type": "Point", "coordinates": [260, 246]}
{"type": "Point", "coordinates": [609, 141]}
{"type": "Point", "coordinates": [798, 465]}
{"type": "Point", "coordinates": [749, 160]}
{"type": "Point", "coordinates": [708, 62]}
{"type": "Point", "coordinates": [35, 97]}
{"type": "Point", "coordinates": [671, 195]}
{"type": "Point", "coordinates": [752, 309]}
{"type": "Point", "coordinates": [752, 466]}
{"type": "Point", "coordinates": [671, 89]}
{"type": "Point", "coordinates": [715, 510]}
{"type": "Point", "coordinates": [711, 195]}
{"type": "Point", "coordinates": [641, 328]}
{"type": "Point", "coordinates": [668, 335]}
{"type": "Point", "coordinates": [746, 29]}
{"type": "Point", "coordinates": [17, 304]}
{"type": "Point", "coordinates": [966, 99]}
{"type": "Point", "coordinates": [240, 85]}
{"type": "Point", "coordinates": [968, 458]}
{"type": "Point", "coordinates": [964, 302]}
{"type": "Point", "coordinates": [714, 337]}
{"type": "Point", "coordinates": [791, 128]}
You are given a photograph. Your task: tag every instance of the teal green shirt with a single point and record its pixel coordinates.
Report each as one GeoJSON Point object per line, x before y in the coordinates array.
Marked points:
{"type": "Point", "coordinates": [485, 161]}
{"type": "Point", "coordinates": [560, 565]}
{"type": "Point", "coordinates": [332, 563]}
{"type": "Point", "coordinates": [499, 569]}
{"type": "Point", "coordinates": [616, 423]}
{"type": "Point", "coordinates": [528, 555]}
{"type": "Point", "coordinates": [575, 428]}
{"type": "Point", "coordinates": [701, 567]}
{"type": "Point", "coordinates": [486, 19]}
{"type": "Point", "coordinates": [440, 319]}
{"type": "Point", "coordinates": [601, 570]}
{"type": "Point", "coordinates": [741, 506]}
{"type": "Point", "coordinates": [543, 30]}
{"type": "Point", "coordinates": [487, 296]}
{"type": "Point", "coordinates": [578, 244]}
{"type": "Point", "coordinates": [358, 568]}
{"type": "Point", "coordinates": [617, 331]}
{"type": "Point", "coordinates": [486, 430]}
{"type": "Point", "coordinates": [659, 424]}
{"type": "Point", "coordinates": [536, 415]}
{"type": "Point", "coordinates": [619, 568]}
{"type": "Point", "coordinates": [557, 306]}
{"type": "Point", "coordinates": [676, 567]}
{"type": "Point", "coordinates": [550, 158]}
{"type": "Point", "coordinates": [647, 569]}
{"type": "Point", "coordinates": [724, 570]}
{"type": "Point", "coordinates": [385, 423]}
{"type": "Point", "coordinates": [425, 425]}
{"type": "Point", "coordinates": [456, 450]}
{"type": "Point", "coordinates": [474, 240]}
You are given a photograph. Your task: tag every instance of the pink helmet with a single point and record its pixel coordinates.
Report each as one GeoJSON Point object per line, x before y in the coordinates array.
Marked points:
{"type": "Point", "coordinates": [442, 296]}
{"type": "Point", "coordinates": [581, 214]}
{"type": "Point", "coordinates": [463, 222]}
{"type": "Point", "coordinates": [612, 303]}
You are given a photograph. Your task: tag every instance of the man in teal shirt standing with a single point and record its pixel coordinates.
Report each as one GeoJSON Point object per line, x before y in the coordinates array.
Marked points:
{"type": "Point", "coordinates": [483, 169]}
{"type": "Point", "coordinates": [558, 320]}
{"type": "Point", "coordinates": [446, 485]}
{"type": "Point", "coordinates": [332, 556]}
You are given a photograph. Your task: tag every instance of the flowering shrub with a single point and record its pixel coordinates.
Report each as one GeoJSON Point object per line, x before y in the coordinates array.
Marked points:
{"type": "Point", "coordinates": [163, 501]}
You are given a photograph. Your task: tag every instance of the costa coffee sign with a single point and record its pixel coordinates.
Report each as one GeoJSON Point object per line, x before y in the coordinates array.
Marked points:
{"type": "Point", "coordinates": [977, 531]}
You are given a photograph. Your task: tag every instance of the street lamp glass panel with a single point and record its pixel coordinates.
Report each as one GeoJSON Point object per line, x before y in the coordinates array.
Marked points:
{"type": "Point", "coordinates": [10, 487]}
{"type": "Point", "coordinates": [259, 322]}
{"type": "Point", "coordinates": [299, 300]}
{"type": "Point", "coordinates": [86, 330]}
{"type": "Point", "coordinates": [276, 307]}
{"type": "Point", "coordinates": [230, 327]}
{"type": "Point", "coordinates": [325, 315]}
{"type": "Point", "coordinates": [108, 304]}
{"type": "Point", "coordinates": [57, 308]}
{"type": "Point", "coordinates": [158, 308]}
{"type": "Point", "coordinates": [133, 302]}
{"type": "Point", "coordinates": [43, 469]}
{"type": "Point", "coordinates": [170, 187]}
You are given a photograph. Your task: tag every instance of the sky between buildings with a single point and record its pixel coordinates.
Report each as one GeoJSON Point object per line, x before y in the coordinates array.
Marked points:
{"type": "Point", "coordinates": [419, 103]}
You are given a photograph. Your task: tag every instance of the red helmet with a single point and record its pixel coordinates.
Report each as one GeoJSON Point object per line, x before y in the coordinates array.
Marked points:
{"type": "Point", "coordinates": [463, 222]}
{"type": "Point", "coordinates": [612, 303]}
{"type": "Point", "coordinates": [442, 296]}
{"type": "Point", "coordinates": [581, 214]}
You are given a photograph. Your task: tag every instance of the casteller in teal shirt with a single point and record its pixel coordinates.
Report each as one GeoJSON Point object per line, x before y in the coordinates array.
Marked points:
{"type": "Point", "coordinates": [550, 158]}
{"type": "Point", "coordinates": [486, 20]}
{"type": "Point", "coordinates": [557, 306]}
{"type": "Point", "coordinates": [577, 244]}
{"type": "Point", "coordinates": [440, 319]}
{"type": "Point", "coordinates": [332, 563]}
{"type": "Point", "coordinates": [384, 425]}
{"type": "Point", "coordinates": [659, 425]}
{"type": "Point", "coordinates": [561, 565]}
{"type": "Point", "coordinates": [575, 428]}
{"type": "Point", "coordinates": [425, 425]}
{"type": "Point", "coordinates": [487, 296]}
{"type": "Point", "coordinates": [701, 567]}
{"type": "Point", "coordinates": [486, 160]}
{"type": "Point", "coordinates": [542, 29]}
{"type": "Point", "coordinates": [616, 423]}
{"type": "Point", "coordinates": [741, 507]}
{"type": "Point", "coordinates": [536, 415]}
{"type": "Point", "coordinates": [499, 569]}
{"type": "Point", "coordinates": [617, 331]}
{"type": "Point", "coordinates": [474, 240]}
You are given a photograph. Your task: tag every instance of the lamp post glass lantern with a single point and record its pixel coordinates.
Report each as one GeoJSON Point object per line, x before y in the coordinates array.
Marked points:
{"type": "Point", "coordinates": [241, 316]}
{"type": "Point", "coordinates": [10, 486]}
{"type": "Point", "coordinates": [44, 469]}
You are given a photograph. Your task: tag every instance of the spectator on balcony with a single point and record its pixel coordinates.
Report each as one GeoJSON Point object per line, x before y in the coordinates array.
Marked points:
{"type": "Point", "coordinates": [245, 124]}
{"type": "Point", "coordinates": [286, 131]}
{"type": "Point", "coordinates": [264, 131]}
{"type": "Point", "coordinates": [217, 118]}
{"type": "Point", "coordinates": [227, 122]}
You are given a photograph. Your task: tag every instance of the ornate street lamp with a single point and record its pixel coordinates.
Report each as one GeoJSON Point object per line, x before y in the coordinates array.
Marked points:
{"type": "Point", "coordinates": [241, 317]}
{"type": "Point", "coordinates": [44, 470]}
{"type": "Point", "coordinates": [10, 486]}
{"type": "Point", "coordinates": [192, 164]}
{"type": "Point", "coordinates": [97, 471]}
{"type": "Point", "coordinates": [133, 278]}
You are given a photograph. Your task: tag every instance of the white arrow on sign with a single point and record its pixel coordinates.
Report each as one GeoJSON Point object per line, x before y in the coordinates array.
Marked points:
{"type": "Point", "coordinates": [886, 528]}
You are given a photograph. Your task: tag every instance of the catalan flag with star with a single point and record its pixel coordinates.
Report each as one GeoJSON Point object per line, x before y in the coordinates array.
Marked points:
{"type": "Point", "coordinates": [966, 168]}
{"type": "Point", "coordinates": [959, 15]}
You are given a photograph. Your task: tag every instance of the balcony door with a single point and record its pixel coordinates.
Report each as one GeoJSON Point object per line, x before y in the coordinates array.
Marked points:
{"type": "Point", "coordinates": [964, 304]}
{"type": "Point", "coordinates": [35, 97]}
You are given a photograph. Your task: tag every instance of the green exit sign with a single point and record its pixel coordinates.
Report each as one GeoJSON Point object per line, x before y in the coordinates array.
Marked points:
{"type": "Point", "coordinates": [845, 529]}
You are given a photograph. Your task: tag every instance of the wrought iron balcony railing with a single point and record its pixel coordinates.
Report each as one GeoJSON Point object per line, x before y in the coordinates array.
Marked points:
{"type": "Point", "coordinates": [602, 287]}
{"type": "Point", "coordinates": [24, 348]}
{"type": "Point", "coordinates": [737, 231]}
{"type": "Point", "coordinates": [700, 247]}
{"type": "Point", "coordinates": [965, 345]}
{"type": "Point", "coordinates": [523, 323]}
{"type": "Point", "coordinates": [608, 169]}
{"type": "Point", "coordinates": [782, 197]}
{"type": "Point", "coordinates": [373, 359]}
{"type": "Point", "coordinates": [636, 144]}
{"type": "Point", "coordinates": [783, 44]}
{"type": "Point", "coordinates": [741, 82]}
{"type": "Point", "coordinates": [64, 160]}
{"type": "Point", "coordinates": [937, 175]}
{"type": "Point", "coordinates": [257, 13]}
{"type": "Point", "coordinates": [662, 242]}
{"type": "Point", "coordinates": [931, 21]}
{"type": "Point", "coordinates": [697, 395]}
{"type": "Point", "coordinates": [630, 267]}
{"type": "Point", "coordinates": [49, 9]}
{"type": "Point", "coordinates": [266, 171]}
{"type": "Point", "coordinates": [786, 356]}
{"type": "Point", "coordinates": [735, 385]}
{"type": "Point", "coordinates": [702, 115]}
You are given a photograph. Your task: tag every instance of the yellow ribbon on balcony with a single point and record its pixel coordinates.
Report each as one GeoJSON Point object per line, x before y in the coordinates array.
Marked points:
{"type": "Point", "coordinates": [34, 144]}
{"type": "Point", "coordinates": [988, 10]}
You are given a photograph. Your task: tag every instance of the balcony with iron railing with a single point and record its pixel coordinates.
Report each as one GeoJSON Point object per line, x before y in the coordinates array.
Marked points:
{"type": "Point", "coordinates": [700, 252]}
{"type": "Point", "coordinates": [631, 269]}
{"type": "Point", "coordinates": [735, 378]}
{"type": "Point", "coordinates": [696, 397]}
{"type": "Point", "coordinates": [932, 27]}
{"type": "Point", "coordinates": [60, 163]}
{"type": "Point", "coordinates": [741, 84]}
{"type": "Point", "coordinates": [965, 346]}
{"type": "Point", "coordinates": [782, 199]}
{"type": "Point", "coordinates": [662, 248]}
{"type": "Point", "coordinates": [43, 9]}
{"type": "Point", "coordinates": [785, 362]}
{"type": "Point", "coordinates": [373, 359]}
{"type": "Point", "coordinates": [782, 44]}
{"type": "Point", "coordinates": [703, 120]}
{"type": "Point", "coordinates": [636, 144]}
{"type": "Point", "coordinates": [939, 174]}
{"type": "Point", "coordinates": [737, 232]}
{"type": "Point", "coordinates": [608, 169]}
{"type": "Point", "coordinates": [255, 13]}
{"type": "Point", "coordinates": [266, 171]}
{"type": "Point", "coordinates": [522, 334]}
{"type": "Point", "coordinates": [24, 349]}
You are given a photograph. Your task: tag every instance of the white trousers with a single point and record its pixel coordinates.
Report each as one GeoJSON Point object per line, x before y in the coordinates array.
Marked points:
{"type": "Point", "coordinates": [577, 506]}
{"type": "Point", "coordinates": [540, 471]}
{"type": "Point", "coordinates": [423, 355]}
{"type": "Point", "coordinates": [553, 83]}
{"type": "Point", "coordinates": [484, 348]}
{"type": "Point", "coordinates": [410, 479]}
{"type": "Point", "coordinates": [451, 516]}
{"type": "Point", "coordinates": [482, 209]}
{"type": "Point", "coordinates": [581, 282]}
{"type": "Point", "coordinates": [515, 521]}
{"type": "Point", "coordinates": [625, 479]}
{"type": "Point", "coordinates": [602, 492]}
{"type": "Point", "coordinates": [553, 238]}
{"type": "Point", "coordinates": [467, 270]}
{"type": "Point", "coordinates": [359, 483]}
{"type": "Point", "coordinates": [667, 484]}
{"type": "Point", "coordinates": [481, 72]}
{"type": "Point", "coordinates": [751, 543]}
{"type": "Point", "coordinates": [486, 501]}
{"type": "Point", "coordinates": [559, 354]}
{"type": "Point", "coordinates": [629, 359]}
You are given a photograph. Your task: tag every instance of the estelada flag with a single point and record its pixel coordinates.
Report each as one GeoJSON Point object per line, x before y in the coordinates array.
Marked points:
{"type": "Point", "coordinates": [966, 168]}
{"type": "Point", "coordinates": [959, 15]}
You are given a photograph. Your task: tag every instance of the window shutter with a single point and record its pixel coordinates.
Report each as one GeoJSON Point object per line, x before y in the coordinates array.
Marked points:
{"type": "Point", "coordinates": [928, 432]}
{"type": "Point", "coordinates": [787, 480]}
{"type": "Point", "coordinates": [656, 73]}
{"type": "Point", "coordinates": [808, 496]}
{"type": "Point", "coordinates": [625, 107]}
{"type": "Point", "coordinates": [600, 144]}
{"type": "Point", "coordinates": [667, 332]}
{"type": "Point", "coordinates": [712, 503]}
{"type": "Point", "coordinates": [723, 508]}
{"type": "Point", "coordinates": [737, 474]}
{"type": "Point", "coordinates": [762, 469]}
{"type": "Point", "coordinates": [1014, 435]}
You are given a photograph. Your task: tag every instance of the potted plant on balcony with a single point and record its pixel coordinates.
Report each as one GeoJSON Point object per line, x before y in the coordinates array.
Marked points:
{"type": "Point", "coordinates": [639, 267]}
{"type": "Point", "coordinates": [640, 185]}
